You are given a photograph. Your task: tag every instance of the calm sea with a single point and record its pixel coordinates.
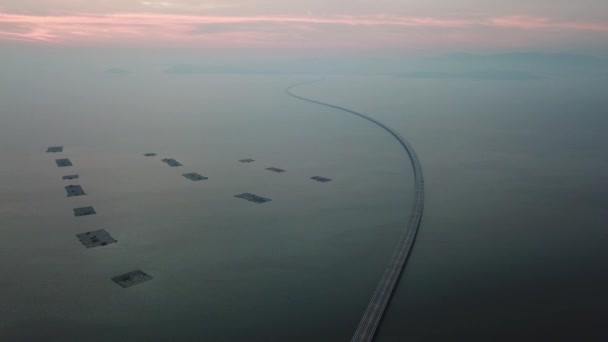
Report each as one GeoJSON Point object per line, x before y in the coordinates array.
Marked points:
{"type": "Point", "coordinates": [512, 245]}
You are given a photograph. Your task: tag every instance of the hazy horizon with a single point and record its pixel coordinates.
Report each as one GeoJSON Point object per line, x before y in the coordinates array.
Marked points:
{"type": "Point", "coordinates": [503, 102]}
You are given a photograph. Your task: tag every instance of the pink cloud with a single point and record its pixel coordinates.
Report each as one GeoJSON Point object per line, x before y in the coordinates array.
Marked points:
{"type": "Point", "coordinates": [261, 31]}
{"type": "Point", "coordinates": [524, 22]}
{"type": "Point", "coordinates": [155, 19]}
{"type": "Point", "coordinates": [35, 34]}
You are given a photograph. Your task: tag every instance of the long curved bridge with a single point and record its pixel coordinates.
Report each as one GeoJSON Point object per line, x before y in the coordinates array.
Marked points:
{"type": "Point", "coordinates": [377, 305]}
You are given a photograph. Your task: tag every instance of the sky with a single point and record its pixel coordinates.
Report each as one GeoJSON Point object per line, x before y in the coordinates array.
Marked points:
{"type": "Point", "coordinates": [318, 25]}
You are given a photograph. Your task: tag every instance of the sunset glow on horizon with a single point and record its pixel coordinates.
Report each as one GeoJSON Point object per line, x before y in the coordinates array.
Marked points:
{"type": "Point", "coordinates": [236, 24]}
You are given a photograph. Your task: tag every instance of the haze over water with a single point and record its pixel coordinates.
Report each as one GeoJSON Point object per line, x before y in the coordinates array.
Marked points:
{"type": "Point", "coordinates": [512, 232]}
{"type": "Point", "coordinates": [504, 106]}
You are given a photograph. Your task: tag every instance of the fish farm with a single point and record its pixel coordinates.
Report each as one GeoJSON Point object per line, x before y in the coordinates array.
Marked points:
{"type": "Point", "coordinates": [253, 198]}
{"type": "Point", "coordinates": [96, 238]}
{"type": "Point", "coordinates": [63, 162]}
{"type": "Point", "coordinates": [74, 190]}
{"type": "Point", "coordinates": [194, 176]}
{"type": "Point", "coordinates": [171, 162]}
{"type": "Point", "coordinates": [132, 278]}
{"type": "Point", "coordinates": [84, 211]}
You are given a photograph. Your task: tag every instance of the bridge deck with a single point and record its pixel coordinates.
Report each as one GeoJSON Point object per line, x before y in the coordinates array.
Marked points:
{"type": "Point", "coordinates": [372, 316]}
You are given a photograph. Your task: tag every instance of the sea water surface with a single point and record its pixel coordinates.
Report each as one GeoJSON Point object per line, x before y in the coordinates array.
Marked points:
{"type": "Point", "coordinates": [513, 240]}
{"type": "Point", "coordinates": [512, 244]}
